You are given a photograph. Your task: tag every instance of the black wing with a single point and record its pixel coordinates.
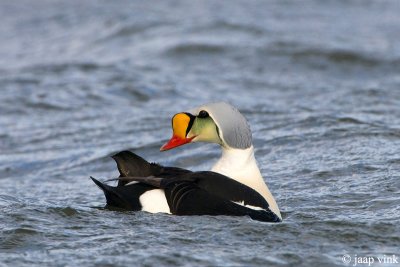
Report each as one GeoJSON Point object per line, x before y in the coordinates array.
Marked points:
{"type": "Point", "coordinates": [126, 196]}
{"type": "Point", "coordinates": [132, 165]}
{"type": "Point", "coordinates": [211, 193]}
{"type": "Point", "coordinates": [188, 199]}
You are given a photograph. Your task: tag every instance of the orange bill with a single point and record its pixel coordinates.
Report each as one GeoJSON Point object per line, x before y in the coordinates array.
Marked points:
{"type": "Point", "coordinates": [180, 127]}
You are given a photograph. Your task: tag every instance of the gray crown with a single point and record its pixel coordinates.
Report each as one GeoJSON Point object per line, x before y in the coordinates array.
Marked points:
{"type": "Point", "coordinates": [233, 127]}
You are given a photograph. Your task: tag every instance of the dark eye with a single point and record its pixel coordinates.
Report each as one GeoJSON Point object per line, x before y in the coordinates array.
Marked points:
{"type": "Point", "coordinates": [203, 114]}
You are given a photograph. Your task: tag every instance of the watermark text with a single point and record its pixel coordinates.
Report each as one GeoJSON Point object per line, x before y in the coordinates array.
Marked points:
{"type": "Point", "coordinates": [368, 260]}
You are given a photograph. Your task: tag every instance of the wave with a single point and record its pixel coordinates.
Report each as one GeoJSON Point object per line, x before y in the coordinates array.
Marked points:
{"type": "Point", "coordinates": [191, 48]}
{"type": "Point", "coordinates": [300, 52]}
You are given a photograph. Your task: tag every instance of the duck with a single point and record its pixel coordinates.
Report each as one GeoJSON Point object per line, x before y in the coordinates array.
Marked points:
{"type": "Point", "coordinates": [234, 186]}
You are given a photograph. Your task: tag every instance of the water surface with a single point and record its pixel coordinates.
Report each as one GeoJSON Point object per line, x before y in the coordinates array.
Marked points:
{"type": "Point", "coordinates": [318, 81]}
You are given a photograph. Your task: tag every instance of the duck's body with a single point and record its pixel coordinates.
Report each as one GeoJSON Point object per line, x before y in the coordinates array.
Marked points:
{"type": "Point", "coordinates": [234, 186]}
{"type": "Point", "coordinates": [181, 192]}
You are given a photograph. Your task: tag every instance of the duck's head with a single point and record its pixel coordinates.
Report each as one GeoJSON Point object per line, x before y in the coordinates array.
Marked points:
{"type": "Point", "coordinates": [218, 123]}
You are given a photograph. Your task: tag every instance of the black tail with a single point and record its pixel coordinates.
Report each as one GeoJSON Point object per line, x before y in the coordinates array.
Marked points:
{"type": "Point", "coordinates": [125, 197]}
{"type": "Point", "coordinates": [113, 198]}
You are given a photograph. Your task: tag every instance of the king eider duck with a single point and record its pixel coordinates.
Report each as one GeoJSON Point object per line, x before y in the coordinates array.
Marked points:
{"type": "Point", "coordinates": [233, 187]}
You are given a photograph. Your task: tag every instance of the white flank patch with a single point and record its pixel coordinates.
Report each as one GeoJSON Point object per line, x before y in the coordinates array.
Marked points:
{"type": "Point", "coordinates": [154, 201]}
{"type": "Point", "coordinates": [133, 182]}
{"type": "Point", "coordinates": [241, 203]}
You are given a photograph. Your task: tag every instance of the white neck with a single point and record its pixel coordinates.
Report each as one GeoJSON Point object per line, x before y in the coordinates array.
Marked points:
{"type": "Point", "coordinates": [241, 165]}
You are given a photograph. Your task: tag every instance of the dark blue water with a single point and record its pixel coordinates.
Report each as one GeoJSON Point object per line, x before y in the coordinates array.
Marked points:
{"type": "Point", "coordinates": [319, 82]}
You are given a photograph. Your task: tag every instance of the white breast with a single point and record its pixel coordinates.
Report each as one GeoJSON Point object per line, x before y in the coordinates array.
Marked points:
{"type": "Point", "coordinates": [241, 165]}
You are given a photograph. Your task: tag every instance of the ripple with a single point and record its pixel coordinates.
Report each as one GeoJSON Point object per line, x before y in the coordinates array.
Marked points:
{"type": "Point", "coordinates": [129, 30]}
{"type": "Point", "coordinates": [338, 56]}
{"type": "Point", "coordinates": [350, 120]}
{"type": "Point", "coordinates": [301, 52]}
{"type": "Point", "coordinates": [60, 68]}
{"type": "Point", "coordinates": [18, 237]}
{"type": "Point", "coordinates": [195, 49]}
{"type": "Point", "coordinates": [46, 106]}
{"type": "Point", "coordinates": [355, 168]}
{"type": "Point", "coordinates": [231, 26]}
{"type": "Point", "coordinates": [64, 211]}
